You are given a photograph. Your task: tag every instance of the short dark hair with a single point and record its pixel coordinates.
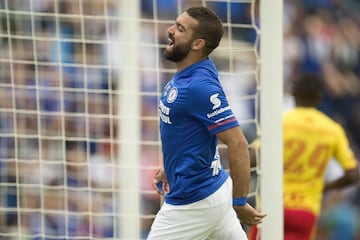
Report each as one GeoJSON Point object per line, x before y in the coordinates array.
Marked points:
{"type": "Point", "coordinates": [307, 89]}
{"type": "Point", "coordinates": [210, 27]}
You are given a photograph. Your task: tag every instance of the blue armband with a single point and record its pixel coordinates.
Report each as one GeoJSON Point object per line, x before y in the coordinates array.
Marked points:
{"type": "Point", "coordinates": [238, 202]}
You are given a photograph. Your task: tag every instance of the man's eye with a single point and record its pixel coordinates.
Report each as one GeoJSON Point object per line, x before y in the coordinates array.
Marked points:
{"type": "Point", "coordinates": [180, 28]}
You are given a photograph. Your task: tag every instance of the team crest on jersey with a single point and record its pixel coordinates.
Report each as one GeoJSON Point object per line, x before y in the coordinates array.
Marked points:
{"type": "Point", "coordinates": [172, 95]}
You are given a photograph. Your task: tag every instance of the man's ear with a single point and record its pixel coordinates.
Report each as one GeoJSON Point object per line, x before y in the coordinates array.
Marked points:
{"type": "Point", "coordinates": [198, 44]}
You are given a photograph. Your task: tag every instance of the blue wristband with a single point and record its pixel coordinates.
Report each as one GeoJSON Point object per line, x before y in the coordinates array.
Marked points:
{"type": "Point", "coordinates": [159, 185]}
{"type": "Point", "coordinates": [238, 202]}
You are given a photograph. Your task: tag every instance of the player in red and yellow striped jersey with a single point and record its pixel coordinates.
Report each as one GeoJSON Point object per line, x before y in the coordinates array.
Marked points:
{"type": "Point", "coordinates": [311, 139]}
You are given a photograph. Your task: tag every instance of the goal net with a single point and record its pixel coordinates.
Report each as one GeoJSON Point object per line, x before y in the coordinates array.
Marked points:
{"type": "Point", "coordinates": [79, 88]}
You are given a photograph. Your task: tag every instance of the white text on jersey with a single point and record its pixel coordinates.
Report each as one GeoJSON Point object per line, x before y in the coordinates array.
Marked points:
{"type": "Point", "coordinates": [164, 113]}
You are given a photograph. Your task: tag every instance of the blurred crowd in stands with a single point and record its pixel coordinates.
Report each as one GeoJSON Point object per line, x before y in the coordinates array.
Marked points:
{"type": "Point", "coordinates": [59, 82]}
{"type": "Point", "coordinates": [323, 37]}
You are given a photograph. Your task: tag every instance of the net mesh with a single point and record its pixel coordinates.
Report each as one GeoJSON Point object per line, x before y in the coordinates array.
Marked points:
{"type": "Point", "coordinates": [60, 91]}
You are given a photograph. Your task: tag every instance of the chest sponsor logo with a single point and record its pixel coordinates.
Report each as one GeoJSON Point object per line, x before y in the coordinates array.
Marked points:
{"type": "Point", "coordinates": [164, 113]}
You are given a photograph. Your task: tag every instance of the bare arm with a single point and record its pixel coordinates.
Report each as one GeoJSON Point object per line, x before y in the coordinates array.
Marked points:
{"type": "Point", "coordinates": [350, 177]}
{"type": "Point", "coordinates": [239, 164]}
{"type": "Point", "coordinates": [239, 160]}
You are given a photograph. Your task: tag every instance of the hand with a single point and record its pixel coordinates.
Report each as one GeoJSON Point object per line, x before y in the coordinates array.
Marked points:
{"type": "Point", "coordinates": [160, 183]}
{"type": "Point", "coordinates": [248, 215]}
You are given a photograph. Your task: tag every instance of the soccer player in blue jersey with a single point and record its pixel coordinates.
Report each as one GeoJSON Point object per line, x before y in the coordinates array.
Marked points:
{"type": "Point", "coordinates": [201, 200]}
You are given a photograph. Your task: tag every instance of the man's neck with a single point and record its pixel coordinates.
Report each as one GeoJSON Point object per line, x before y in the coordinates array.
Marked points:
{"type": "Point", "coordinates": [188, 62]}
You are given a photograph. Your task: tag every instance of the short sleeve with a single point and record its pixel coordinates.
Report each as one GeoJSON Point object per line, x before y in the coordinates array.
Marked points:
{"type": "Point", "coordinates": [208, 104]}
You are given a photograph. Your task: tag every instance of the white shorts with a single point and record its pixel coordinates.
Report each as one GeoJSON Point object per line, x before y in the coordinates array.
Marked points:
{"type": "Point", "coordinates": [212, 218]}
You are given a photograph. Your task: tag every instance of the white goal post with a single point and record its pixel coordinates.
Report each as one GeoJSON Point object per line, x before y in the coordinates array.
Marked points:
{"type": "Point", "coordinates": [271, 77]}
{"type": "Point", "coordinates": [129, 124]}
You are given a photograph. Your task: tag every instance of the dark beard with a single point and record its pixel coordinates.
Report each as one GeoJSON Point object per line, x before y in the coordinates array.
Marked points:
{"type": "Point", "coordinates": [178, 52]}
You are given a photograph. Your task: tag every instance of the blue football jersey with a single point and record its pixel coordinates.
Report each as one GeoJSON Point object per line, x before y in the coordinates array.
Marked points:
{"type": "Point", "coordinates": [193, 108]}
